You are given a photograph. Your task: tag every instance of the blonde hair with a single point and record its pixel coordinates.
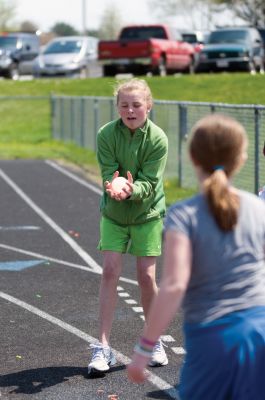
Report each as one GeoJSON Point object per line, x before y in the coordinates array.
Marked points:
{"type": "Point", "coordinates": [217, 146]}
{"type": "Point", "coordinates": [134, 85]}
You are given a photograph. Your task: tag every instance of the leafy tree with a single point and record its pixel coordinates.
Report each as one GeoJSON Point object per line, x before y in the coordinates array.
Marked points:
{"type": "Point", "coordinates": [28, 27]}
{"type": "Point", "coordinates": [63, 29]}
{"type": "Point", "coordinates": [92, 32]}
{"type": "Point", "coordinates": [7, 13]}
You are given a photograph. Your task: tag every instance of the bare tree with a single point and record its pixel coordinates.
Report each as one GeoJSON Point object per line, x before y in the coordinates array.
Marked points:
{"type": "Point", "coordinates": [111, 22]}
{"type": "Point", "coordinates": [7, 13]}
{"type": "Point", "coordinates": [193, 15]}
{"type": "Point", "coordinates": [251, 11]}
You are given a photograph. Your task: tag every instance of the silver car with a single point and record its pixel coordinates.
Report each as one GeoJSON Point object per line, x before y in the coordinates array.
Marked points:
{"type": "Point", "coordinates": [74, 56]}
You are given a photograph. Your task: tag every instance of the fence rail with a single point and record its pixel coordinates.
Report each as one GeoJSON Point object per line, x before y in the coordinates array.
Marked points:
{"type": "Point", "coordinates": [77, 119]}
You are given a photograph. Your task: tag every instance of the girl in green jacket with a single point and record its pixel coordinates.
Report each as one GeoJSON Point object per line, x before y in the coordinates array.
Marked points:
{"type": "Point", "coordinates": [135, 148]}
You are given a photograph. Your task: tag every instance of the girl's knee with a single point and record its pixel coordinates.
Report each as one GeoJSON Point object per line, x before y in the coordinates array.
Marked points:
{"type": "Point", "coordinates": [111, 269]}
{"type": "Point", "coordinates": [146, 281]}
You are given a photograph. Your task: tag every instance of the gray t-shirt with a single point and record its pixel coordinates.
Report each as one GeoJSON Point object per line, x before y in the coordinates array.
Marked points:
{"type": "Point", "coordinates": [228, 268]}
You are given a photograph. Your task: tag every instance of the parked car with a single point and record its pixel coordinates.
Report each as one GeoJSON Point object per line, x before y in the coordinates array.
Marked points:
{"type": "Point", "coordinates": [262, 34]}
{"type": "Point", "coordinates": [234, 49]}
{"type": "Point", "coordinates": [155, 49]}
{"type": "Point", "coordinates": [196, 38]}
{"type": "Point", "coordinates": [67, 56]}
{"type": "Point", "coordinates": [17, 52]}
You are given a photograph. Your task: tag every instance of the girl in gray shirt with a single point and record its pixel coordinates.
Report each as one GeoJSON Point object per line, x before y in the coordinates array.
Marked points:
{"type": "Point", "coordinates": [214, 266]}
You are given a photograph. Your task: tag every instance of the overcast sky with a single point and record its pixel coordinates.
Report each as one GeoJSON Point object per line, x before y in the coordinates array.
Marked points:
{"type": "Point", "coordinates": [45, 13]}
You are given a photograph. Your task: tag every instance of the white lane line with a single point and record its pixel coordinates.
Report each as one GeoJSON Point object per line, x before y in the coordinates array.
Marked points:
{"type": "Point", "coordinates": [178, 350]}
{"type": "Point", "coordinates": [84, 255]}
{"type": "Point", "coordinates": [20, 228]}
{"type": "Point", "coordinates": [152, 378]}
{"type": "Point", "coordinates": [131, 301]}
{"type": "Point", "coordinates": [74, 177]}
{"type": "Point", "coordinates": [68, 264]}
{"type": "Point", "coordinates": [168, 338]}
{"type": "Point", "coordinates": [138, 309]}
{"type": "Point", "coordinates": [41, 256]}
{"type": "Point", "coordinates": [123, 294]}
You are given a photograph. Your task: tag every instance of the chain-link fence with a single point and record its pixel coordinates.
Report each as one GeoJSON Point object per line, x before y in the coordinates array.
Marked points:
{"type": "Point", "coordinates": [77, 119]}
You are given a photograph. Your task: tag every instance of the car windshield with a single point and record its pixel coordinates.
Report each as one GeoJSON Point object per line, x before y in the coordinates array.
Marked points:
{"type": "Point", "coordinates": [143, 33]}
{"type": "Point", "coordinates": [189, 37]}
{"type": "Point", "coordinates": [8, 42]}
{"type": "Point", "coordinates": [64, 46]}
{"type": "Point", "coordinates": [228, 37]}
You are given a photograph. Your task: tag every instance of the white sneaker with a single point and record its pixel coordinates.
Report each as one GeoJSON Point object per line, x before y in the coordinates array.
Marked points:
{"type": "Point", "coordinates": [159, 356]}
{"type": "Point", "coordinates": [102, 359]}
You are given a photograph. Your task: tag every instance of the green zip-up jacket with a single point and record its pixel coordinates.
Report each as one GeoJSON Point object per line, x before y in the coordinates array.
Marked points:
{"type": "Point", "coordinates": [144, 154]}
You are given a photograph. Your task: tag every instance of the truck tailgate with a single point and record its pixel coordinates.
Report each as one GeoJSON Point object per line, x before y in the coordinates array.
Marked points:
{"type": "Point", "coordinates": [124, 49]}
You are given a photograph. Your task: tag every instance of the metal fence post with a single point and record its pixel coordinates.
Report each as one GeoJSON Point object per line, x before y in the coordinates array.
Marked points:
{"type": "Point", "coordinates": [52, 118]}
{"type": "Point", "coordinates": [72, 119]}
{"type": "Point", "coordinates": [82, 127]}
{"type": "Point", "coordinates": [152, 114]}
{"type": "Point", "coordinates": [96, 123]}
{"type": "Point", "coordinates": [182, 135]}
{"type": "Point", "coordinates": [62, 137]}
{"type": "Point", "coordinates": [112, 110]}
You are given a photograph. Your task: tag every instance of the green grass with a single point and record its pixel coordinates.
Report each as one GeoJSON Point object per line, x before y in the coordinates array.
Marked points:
{"type": "Point", "coordinates": [237, 88]}
{"type": "Point", "coordinates": [25, 130]}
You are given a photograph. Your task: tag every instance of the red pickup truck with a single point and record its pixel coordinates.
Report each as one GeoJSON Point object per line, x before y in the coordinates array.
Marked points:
{"type": "Point", "coordinates": [141, 49]}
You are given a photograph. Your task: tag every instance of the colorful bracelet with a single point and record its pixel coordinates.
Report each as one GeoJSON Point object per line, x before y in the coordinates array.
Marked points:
{"type": "Point", "coordinates": [142, 351]}
{"type": "Point", "coordinates": [147, 342]}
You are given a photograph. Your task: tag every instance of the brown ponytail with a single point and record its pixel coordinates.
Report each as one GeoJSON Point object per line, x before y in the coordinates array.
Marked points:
{"type": "Point", "coordinates": [217, 146]}
{"type": "Point", "coordinates": [222, 201]}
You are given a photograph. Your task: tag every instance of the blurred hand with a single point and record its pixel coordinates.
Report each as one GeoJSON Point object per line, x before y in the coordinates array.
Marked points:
{"type": "Point", "coordinates": [136, 369]}
{"type": "Point", "coordinates": [126, 190]}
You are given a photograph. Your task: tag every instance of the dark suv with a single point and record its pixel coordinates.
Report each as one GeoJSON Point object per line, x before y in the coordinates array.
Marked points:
{"type": "Point", "coordinates": [17, 52]}
{"type": "Point", "coordinates": [262, 34]}
{"type": "Point", "coordinates": [237, 49]}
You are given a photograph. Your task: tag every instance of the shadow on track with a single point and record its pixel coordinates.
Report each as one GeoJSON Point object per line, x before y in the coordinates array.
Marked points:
{"type": "Point", "coordinates": [35, 380]}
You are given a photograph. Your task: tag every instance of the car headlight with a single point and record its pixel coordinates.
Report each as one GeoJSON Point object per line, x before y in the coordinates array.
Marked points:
{"type": "Point", "coordinates": [243, 53]}
{"type": "Point", "coordinates": [5, 61]}
{"type": "Point", "coordinates": [76, 60]}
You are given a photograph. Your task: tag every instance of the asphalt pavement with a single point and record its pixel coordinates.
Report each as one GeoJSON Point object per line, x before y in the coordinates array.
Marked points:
{"type": "Point", "coordinates": [49, 279]}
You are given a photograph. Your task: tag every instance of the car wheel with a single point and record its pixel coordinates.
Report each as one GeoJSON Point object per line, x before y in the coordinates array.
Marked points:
{"type": "Point", "coordinates": [13, 72]}
{"type": "Point", "coordinates": [251, 67]}
{"type": "Point", "coordinates": [261, 68]}
{"type": "Point", "coordinates": [161, 68]}
{"type": "Point", "coordinates": [191, 67]}
{"type": "Point", "coordinates": [109, 70]}
{"type": "Point", "coordinates": [83, 73]}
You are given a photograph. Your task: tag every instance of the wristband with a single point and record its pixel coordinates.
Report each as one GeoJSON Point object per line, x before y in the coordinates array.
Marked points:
{"type": "Point", "coordinates": [142, 351]}
{"type": "Point", "coordinates": [147, 342]}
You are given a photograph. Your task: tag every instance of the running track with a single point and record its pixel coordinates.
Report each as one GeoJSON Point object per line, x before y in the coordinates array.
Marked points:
{"type": "Point", "coordinates": [49, 278]}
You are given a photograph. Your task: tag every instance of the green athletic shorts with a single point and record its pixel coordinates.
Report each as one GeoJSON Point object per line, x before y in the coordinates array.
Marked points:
{"type": "Point", "coordinates": [138, 240]}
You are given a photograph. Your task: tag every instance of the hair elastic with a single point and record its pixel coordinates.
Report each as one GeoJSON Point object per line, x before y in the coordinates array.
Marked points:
{"type": "Point", "coordinates": [218, 167]}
